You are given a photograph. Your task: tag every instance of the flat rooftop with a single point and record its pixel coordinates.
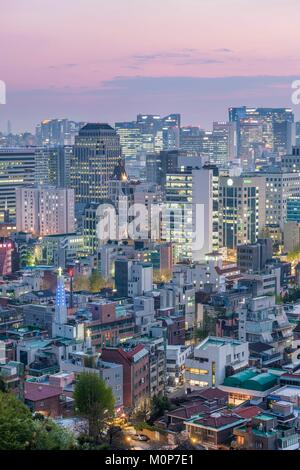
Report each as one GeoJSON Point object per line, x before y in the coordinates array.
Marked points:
{"type": "Point", "coordinates": [288, 391]}
{"type": "Point", "coordinates": [214, 341]}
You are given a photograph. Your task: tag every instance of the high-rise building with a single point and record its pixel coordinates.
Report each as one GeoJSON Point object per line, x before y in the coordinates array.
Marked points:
{"type": "Point", "coordinates": [224, 143]}
{"type": "Point", "coordinates": [89, 225]}
{"type": "Point", "coordinates": [59, 165]}
{"type": "Point", "coordinates": [208, 146]}
{"type": "Point", "coordinates": [151, 123]}
{"type": "Point", "coordinates": [215, 211]}
{"type": "Point", "coordinates": [291, 162]}
{"type": "Point", "coordinates": [297, 133]}
{"type": "Point", "coordinates": [57, 132]}
{"type": "Point", "coordinates": [45, 210]}
{"type": "Point", "coordinates": [293, 209]}
{"type": "Point", "coordinates": [159, 133]}
{"type": "Point", "coordinates": [187, 215]}
{"type": "Point", "coordinates": [17, 168]}
{"type": "Point", "coordinates": [53, 165]}
{"type": "Point", "coordinates": [241, 210]}
{"type": "Point", "coordinates": [217, 147]}
{"type": "Point", "coordinates": [280, 186]}
{"type": "Point", "coordinates": [277, 126]}
{"type": "Point", "coordinates": [158, 165]}
{"type": "Point", "coordinates": [96, 152]}
{"type": "Point", "coordinates": [131, 142]}
{"type": "Point", "coordinates": [250, 142]}
{"type": "Point", "coordinates": [191, 140]}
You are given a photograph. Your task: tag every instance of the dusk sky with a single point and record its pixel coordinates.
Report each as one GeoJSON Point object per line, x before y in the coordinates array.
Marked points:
{"type": "Point", "coordinates": [96, 60]}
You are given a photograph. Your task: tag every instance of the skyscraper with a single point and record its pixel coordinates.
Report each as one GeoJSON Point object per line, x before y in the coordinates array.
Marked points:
{"type": "Point", "coordinates": [131, 142]}
{"type": "Point", "coordinates": [45, 210]}
{"type": "Point", "coordinates": [57, 132]}
{"type": "Point", "coordinates": [96, 152]}
{"type": "Point", "coordinates": [17, 168]}
{"type": "Point", "coordinates": [224, 143]}
{"type": "Point", "coordinates": [191, 140]}
{"type": "Point", "coordinates": [277, 126]}
{"type": "Point", "coordinates": [241, 210]}
{"type": "Point", "coordinates": [53, 165]}
{"type": "Point", "coordinates": [188, 213]}
{"type": "Point", "coordinates": [159, 133]}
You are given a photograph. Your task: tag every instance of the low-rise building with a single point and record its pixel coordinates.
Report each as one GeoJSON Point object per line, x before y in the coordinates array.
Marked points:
{"type": "Point", "coordinates": [213, 359]}
{"type": "Point", "coordinates": [176, 358]}
{"type": "Point", "coordinates": [250, 384]}
{"type": "Point", "coordinates": [214, 429]}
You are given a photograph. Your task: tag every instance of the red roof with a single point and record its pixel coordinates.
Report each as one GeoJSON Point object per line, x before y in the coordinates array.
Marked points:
{"type": "Point", "coordinates": [35, 391]}
{"type": "Point", "coordinates": [209, 394]}
{"type": "Point", "coordinates": [189, 410]}
{"type": "Point", "coordinates": [249, 412]}
{"type": "Point", "coordinates": [135, 350]}
{"type": "Point", "coordinates": [218, 420]}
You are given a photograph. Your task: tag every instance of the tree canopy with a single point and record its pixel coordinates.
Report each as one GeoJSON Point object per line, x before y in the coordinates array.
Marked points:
{"type": "Point", "coordinates": [94, 283]}
{"type": "Point", "coordinates": [94, 401]}
{"type": "Point", "coordinates": [19, 430]}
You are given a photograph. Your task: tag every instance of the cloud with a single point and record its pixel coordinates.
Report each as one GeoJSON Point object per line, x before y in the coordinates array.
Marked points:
{"type": "Point", "coordinates": [199, 61]}
{"type": "Point", "coordinates": [200, 100]}
{"type": "Point", "coordinates": [223, 49]}
{"type": "Point", "coordinates": [62, 66]}
{"type": "Point", "coordinates": [199, 85]}
{"type": "Point", "coordinates": [161, 55]}
{"type": "Point", "coordinates": [181, 57]}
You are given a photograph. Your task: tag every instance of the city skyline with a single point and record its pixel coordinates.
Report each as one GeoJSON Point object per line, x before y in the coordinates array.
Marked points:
{"type": "Point", "coordinates": [93, 70]}
{"type": "Point", "coordinates": [149, 229]}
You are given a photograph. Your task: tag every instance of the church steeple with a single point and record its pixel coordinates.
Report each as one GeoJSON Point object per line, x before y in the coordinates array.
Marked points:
{"type": "Point", "coordinates": [60, 300]}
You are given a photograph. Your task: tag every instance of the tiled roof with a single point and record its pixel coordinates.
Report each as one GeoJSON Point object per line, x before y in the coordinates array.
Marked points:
{"type": "Point", "coordinates": [189, 410]}
{"type": "Point", "coordinates": [249, 412]}
{"type": "Point", "coordinates": [35, 391]}
{"type": "Point", "coordinates": [209, 394]}
{"type": "Point", "coordinates": [218, 420]}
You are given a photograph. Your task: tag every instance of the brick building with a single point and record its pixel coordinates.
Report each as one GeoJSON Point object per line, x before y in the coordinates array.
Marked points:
{"type": "Point", "coordinates": [135, 362]}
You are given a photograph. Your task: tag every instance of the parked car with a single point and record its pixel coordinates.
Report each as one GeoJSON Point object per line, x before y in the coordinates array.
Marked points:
{"type": "Point", "coordinates": [140, 437]}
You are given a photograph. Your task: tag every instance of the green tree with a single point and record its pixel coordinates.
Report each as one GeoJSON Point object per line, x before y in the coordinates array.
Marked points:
{"type": "Point", "coordinates": [20, 431]}
{"type": "Point", "coordinates": [159, 404]}
{"type": "Point", "coordinates": [50, 436]}
{"type": "Point", "coordinates": [294, 254]}
{"type": "Point", "coordinates": [200, 334]}
{"type": "Point", "coordinates": [16, 424]}
{"type": "Point", "coordinates": [97, 282]}
{"type": "Point", "coordinates": [94, 401]}
{"type": "Point", "coordinates": [81, 283]}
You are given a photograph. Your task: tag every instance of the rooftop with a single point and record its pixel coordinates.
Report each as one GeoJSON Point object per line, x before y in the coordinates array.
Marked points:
{"type": "Point", "coordinates": [250, 379]}
{"type": "Point", "coordinates": [96, 127]}
{"type": "Point", "coordinates": [214, 341]}
{"type": "Point", "coordinates": [35, 391]}
{"type": "Point", "coordinates": [217, 421]}
{"type": "Point", "coordinates": [287, 391]}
